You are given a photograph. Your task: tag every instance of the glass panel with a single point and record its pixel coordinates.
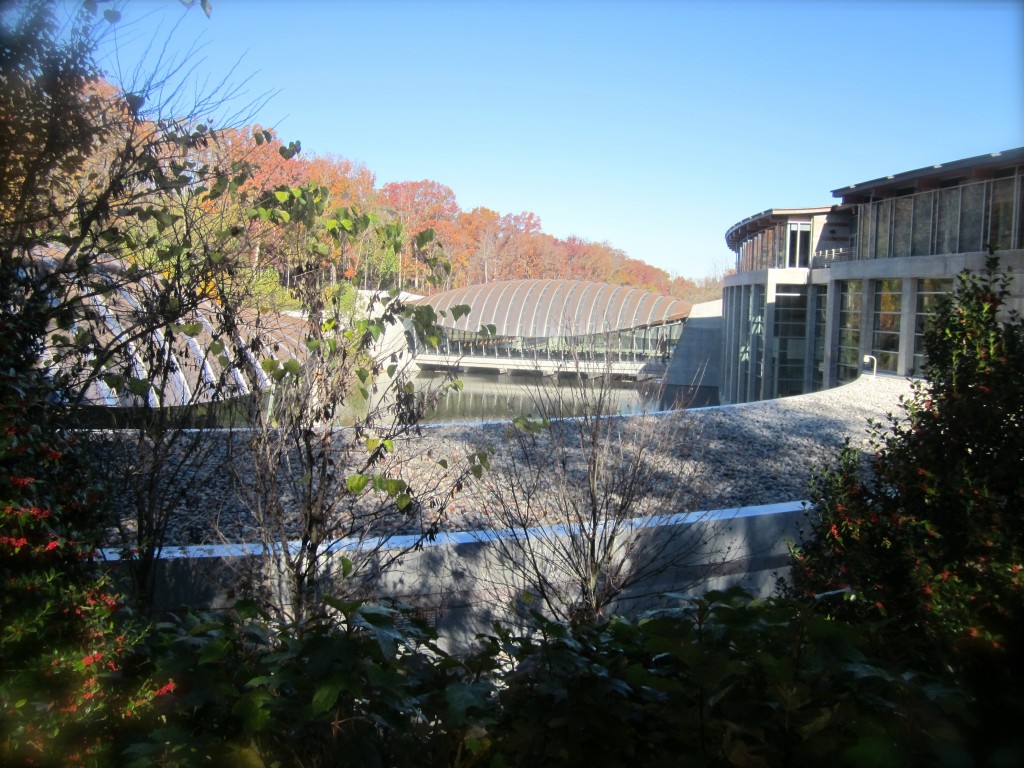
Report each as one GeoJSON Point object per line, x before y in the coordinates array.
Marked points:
{"type": "Point", "coordinates": [901, 226]}
{"type": "Point", "coordinates": [971, 216]}
{"type": "Point", "coordinates": [930, 291]}
{"type": "Point", "coordinates": [1001, 228]}
{"type": "Point", "coordinates": [820, 314]}
{"type": "Point", "coordinates": [791, 261]}
{"type": "Point", "coordinates": [850, 299]}
{"type": "Point", "coordinates": [757, 303]}
{"type": "Point", "coordinates": [949, 220]}
{"type": "Point", "coordinates": [805, 246]}
{"type": "Point", "coordinates": [885, 339]}
{"type": "Point", "coordinates": [863, 235]}
{"type": "Point", "coordinates": [922, 239]}
{"type": "Point", "coordinates": [790, 335]}
{"type": "Point", "coordinates": [1020, 211]}
{"type": "Point", "coordinates": [882, 211]}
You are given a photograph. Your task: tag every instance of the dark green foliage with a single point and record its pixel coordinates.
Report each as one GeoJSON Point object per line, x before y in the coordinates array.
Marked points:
{"type": "Point", "coordinates": [927, 533]}
{"type": "Point", "coordinates": [721, 681]}
{"type": "Point", "coordinates": [349, 690]}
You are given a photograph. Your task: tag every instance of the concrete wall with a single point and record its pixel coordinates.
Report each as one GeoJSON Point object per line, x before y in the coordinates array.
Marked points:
{"type": "Point", "coordinates": [695, 369]}
{"type": "Point", "coordinates": [463, 582]}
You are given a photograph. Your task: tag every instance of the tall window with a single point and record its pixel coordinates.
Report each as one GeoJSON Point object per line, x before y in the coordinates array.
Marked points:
{"type": "Point", "coordinates": [885, 339]}
{"type": "Point", "coordinates": [799, 250]}
{"type": "Point", "coordinates": [922, 238]}
{"type": "Point", "coordinates": [820, 314]}
{"type": "Point", "coordinates": [757, 307]}
{"type": "Point", "coordinates": [1001, 227]}
{"type": "Point", "coordinates": [850, 301]}
{"type": "Point", "coordinates": [972, 216]}
{"type": "Point", "coordinates": [881, 212]}
{"type": "Point", "coordinates": [903, 216]}
{"type": "Point", "coordinates": [790, 334]}
{"type": "Point", "coordinates": [949, 220]}
{"type": "Point", "coordinates": [930, 291]}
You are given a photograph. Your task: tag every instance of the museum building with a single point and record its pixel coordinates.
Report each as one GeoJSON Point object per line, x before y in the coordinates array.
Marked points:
{"type": "Point", "coordinates": [821, 295]}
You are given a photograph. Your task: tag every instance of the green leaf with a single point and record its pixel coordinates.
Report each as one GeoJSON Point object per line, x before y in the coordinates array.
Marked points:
{"type": "Point", "coordinates": [346, 567]}
{"type": "Point", "coordinates": [325, 697]}
{"type": "Point", "coordinates": [356, 483]}
{"type": "Point", "coordinates": [138, 387]}
{"type": "Point", "coordinates": [424, 238]}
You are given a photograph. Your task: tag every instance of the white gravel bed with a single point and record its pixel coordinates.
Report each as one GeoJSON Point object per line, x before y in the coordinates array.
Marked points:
{"type": "Point", "coordinates": [752, 453]}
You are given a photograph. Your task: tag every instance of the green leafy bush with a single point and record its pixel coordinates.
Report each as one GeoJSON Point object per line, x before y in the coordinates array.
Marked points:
{"type": "Point", "coordinates": [926, 533]}
{"type": "Point", "coordinates": [349, 689]}
{"type": "Point", "coordinates": [721, 681]}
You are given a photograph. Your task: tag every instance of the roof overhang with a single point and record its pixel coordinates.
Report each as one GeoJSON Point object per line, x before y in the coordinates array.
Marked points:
{"type": "Point", "coordinates": [979, 167]}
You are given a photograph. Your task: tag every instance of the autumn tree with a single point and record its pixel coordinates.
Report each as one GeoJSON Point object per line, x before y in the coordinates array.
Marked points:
{"type": "Point", "coordinates": [420, 205]}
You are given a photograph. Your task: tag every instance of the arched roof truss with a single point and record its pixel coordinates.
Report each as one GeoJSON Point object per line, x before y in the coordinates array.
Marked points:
{"type": "Point", "coordinates": [556, 307]}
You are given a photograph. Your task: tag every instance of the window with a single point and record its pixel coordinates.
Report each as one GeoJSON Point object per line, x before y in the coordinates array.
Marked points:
{"type": "Point", "coordinates": [1001, 227]}
{"type": "Point", "coordinates": [949, 219]}
{"type": "Point", "coordinates": [820, 314]}
{"type": "Point", "coordinates": [901, 228]}
{"type": "Point", "coordinates": [799, 251]}
{"type": "Point", "coordinates": [790, 334]}
{"type": "Point", "coordinates": [885, 339]}
{"type": "Point", "coordinates": [930, 291]}
{"type": "Point", "coordinates": [850, 300]}
{"type": "Point", "coordinates": [922, 237]}
{"type": "Point", "coordinates": [972, 215]}
{"type": "Point", "coordinates": [881, 211]}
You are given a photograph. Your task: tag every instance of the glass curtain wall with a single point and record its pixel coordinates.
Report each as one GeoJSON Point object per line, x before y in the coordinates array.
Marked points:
{"type": "Point", "coordinates": [959, 218]}
{"type": "Point", "coordinates": [851, 294]}
{"type": "Point", "coordinates": [885, 337]}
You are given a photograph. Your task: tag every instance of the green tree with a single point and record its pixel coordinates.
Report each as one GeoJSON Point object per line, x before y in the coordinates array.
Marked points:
{"type": "Point", "coordinates": [926, 534]}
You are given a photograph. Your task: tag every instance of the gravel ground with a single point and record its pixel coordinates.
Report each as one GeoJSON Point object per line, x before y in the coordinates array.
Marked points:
{"type": "Point", "coordinates": [754, 453]}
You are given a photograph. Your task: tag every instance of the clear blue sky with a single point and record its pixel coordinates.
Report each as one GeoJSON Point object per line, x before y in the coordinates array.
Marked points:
{"type": "Point", "coordinates": [654, 126]}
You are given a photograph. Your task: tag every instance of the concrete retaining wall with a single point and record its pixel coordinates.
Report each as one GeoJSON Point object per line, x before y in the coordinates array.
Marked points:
{"type": "Point", "coordinates": [463, 582]}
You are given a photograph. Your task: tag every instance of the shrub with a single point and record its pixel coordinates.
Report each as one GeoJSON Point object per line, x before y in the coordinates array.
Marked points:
{"type": "Point", "coordinates": [350, 688]}
{"type": "Point", "coordinates": [65, 639]}
{"type": "Point", "coordinates": [722, 680]}
{"type": "Point", "coordinates": [926, 533]}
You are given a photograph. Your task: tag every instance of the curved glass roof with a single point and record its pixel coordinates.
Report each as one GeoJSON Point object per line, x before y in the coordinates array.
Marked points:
{"type": "Point", "coordinates": [548, 308]}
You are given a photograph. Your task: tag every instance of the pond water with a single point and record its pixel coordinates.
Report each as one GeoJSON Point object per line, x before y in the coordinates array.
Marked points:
{"type": "Point", "coordinates": [501, 397]}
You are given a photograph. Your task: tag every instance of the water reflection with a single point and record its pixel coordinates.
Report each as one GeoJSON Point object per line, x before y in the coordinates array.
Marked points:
{"type": "Point", "coordinates": [498, 397]}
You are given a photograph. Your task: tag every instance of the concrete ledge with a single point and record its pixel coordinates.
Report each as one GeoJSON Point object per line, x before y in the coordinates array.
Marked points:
{"type": "Point", "coordinates": [464, 581]}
